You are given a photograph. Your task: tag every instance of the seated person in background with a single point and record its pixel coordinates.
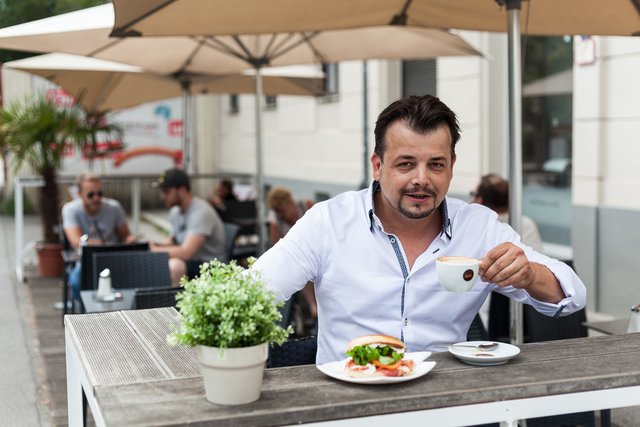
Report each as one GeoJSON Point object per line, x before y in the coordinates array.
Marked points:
{"type": "Point", "coordinates": [284, 213]}
{"type": "Point", "coordinates": [103, 221]}
{"type": "Point", "coordinates": [371, 254]}
{"type": "Point", "coordinates": [197, 233]}
{"type": "Point", "coordinates": [223, 193]}
{"type": "Point", "coordinates": [493, 192]}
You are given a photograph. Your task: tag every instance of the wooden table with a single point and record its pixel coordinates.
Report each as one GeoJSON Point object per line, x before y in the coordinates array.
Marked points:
{"type": "Point", "coordinates": [609, 327]}
{"type": "Point", "coordinates": [132, 377]}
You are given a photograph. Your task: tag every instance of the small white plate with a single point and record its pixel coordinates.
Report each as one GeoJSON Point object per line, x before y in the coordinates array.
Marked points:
{"type": "Point", "coordinates": [336, 370]}
{"type": "Point", "coordinates": [498, 356]}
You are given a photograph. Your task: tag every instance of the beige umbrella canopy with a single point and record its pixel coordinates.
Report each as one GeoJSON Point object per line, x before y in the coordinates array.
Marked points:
{"type": "Point", "coordinates": [204, 17]}
{"type": "Point", "coordinates": [101, 85]}
{"type": "Point", "coordinates": [86, 32]}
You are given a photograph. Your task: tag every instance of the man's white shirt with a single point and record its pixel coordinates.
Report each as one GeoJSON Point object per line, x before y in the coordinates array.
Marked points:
{"type": "Point", "coordinates": [363, 284]}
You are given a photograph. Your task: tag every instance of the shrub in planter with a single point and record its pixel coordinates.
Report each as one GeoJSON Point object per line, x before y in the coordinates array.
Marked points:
{"type": "Point", "coordinates": [230, 315]}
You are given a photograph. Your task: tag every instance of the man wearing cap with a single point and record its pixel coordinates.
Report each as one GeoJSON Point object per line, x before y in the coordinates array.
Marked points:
{"type": "Point", "coordinates": [197, 232]}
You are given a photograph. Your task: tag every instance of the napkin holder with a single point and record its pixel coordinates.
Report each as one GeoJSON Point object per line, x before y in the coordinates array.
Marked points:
{"type": "Point", "coordinates": [104, 285]}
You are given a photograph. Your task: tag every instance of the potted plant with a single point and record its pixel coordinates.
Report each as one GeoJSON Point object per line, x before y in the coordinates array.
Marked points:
{"type": "Point", "coordinates": [231, 317]}
{"type": "Point", "coordinates": [37, 132]}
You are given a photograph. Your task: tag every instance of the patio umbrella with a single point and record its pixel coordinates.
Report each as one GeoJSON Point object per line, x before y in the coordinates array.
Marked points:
{"type": "Point", "coordinates": [206, 17]}
{"type": "Point", "coordinates": [86, 32]}
{"type": "Point", "coordinates": [102, 86]}
{"type": "Point", "coordinates": [542, 17]}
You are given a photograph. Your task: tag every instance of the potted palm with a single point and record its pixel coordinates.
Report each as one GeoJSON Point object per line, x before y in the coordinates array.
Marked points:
{"type": "Point", "coordinates": [232, 318]}
{"type": "Point", "coordinates": [37, 132]}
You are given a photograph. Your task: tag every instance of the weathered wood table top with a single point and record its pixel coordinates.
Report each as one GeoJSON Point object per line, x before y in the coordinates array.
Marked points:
{"type": "Point", "coordinates": [143, 381]}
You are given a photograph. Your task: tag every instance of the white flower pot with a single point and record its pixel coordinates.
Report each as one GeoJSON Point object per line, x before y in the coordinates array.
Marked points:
{"type": "Point", "coordinates": [233, 376]}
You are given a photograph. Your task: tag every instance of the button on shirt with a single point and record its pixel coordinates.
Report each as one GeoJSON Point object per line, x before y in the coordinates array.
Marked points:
{"type": "Point", "coordinates": [363, 283]}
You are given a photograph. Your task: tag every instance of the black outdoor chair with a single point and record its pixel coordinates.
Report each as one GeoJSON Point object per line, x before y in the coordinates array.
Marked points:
{"type": "Point", "coordinates": [476, 331]}
{"type": "Point", "coordinates": [156, 297]}
{"type": "Point", "coordinates": [300, 351]}
{"type": "Point", "coordinates": [134, 269]}
{"type": "Point", "coordinates": [89, 277]}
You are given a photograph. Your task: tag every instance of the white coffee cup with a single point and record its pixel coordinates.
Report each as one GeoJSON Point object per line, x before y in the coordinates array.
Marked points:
{"type": "Point", "coordinates": [457, 273]}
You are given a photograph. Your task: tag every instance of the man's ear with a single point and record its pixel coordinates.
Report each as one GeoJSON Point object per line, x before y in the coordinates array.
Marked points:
{"type": "Point", "coordinates": [376, 164]}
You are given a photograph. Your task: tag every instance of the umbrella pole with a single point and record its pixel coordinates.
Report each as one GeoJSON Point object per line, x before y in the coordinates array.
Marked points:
{"type": "Point", "coordinates": [515, 144]}
{"type": "Point", "coordinates": [365, 126]}
{"type": "Point", "coordinates": [260, 208]}
{"type": "Point", "coordinates": [186, 127]}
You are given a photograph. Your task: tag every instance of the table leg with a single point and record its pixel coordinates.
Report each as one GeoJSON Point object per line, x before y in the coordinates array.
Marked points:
{"type": "Point", "coordinates": [75, 407]}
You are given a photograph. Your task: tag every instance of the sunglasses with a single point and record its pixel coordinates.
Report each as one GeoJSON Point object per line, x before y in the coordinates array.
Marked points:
{"type": "Point", "coordinates": [90, 194]}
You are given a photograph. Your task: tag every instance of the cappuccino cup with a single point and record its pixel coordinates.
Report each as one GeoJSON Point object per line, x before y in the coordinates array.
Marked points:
{"type": "Point", "coordinates": [457, 273]}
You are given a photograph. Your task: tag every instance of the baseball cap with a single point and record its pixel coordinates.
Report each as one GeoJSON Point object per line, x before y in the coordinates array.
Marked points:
{"type": "Point", "coordinates": [172, 178]}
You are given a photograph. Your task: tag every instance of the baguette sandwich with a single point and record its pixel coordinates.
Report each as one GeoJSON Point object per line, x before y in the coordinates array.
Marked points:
{"type": "Point", "coordinates": [377, 355]}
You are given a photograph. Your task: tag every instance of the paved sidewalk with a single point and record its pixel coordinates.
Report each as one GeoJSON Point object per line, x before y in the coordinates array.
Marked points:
{"type": "Point", "coordinates": [20, 405]}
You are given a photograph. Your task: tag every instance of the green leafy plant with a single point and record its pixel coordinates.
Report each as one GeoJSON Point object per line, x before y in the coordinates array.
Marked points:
{"type": "Point", "coordinates": [227, 306]}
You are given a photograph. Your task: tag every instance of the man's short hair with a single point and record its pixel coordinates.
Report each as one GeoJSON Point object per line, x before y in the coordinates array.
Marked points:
{"type": "Point", "coordinates": [86, 176]}
{"type": "Point", "coordinates": [494, 191]}
{"type": "Point", "coordinates": [423, 114]}
{"type": "Point", "coordinates": [279, 197]}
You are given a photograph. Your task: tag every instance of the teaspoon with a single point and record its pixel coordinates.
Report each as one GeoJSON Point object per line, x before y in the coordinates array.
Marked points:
{"type": "Point", "coordinates": [483, 347]}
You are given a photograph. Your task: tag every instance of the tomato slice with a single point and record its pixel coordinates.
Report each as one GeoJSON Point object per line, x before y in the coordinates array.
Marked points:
{"type": "Point", "coordinates": [391, 367]}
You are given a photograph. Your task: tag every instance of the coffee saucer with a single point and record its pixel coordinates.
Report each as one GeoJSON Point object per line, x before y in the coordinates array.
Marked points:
{"type": "Point", "coordinates": [498, 356]}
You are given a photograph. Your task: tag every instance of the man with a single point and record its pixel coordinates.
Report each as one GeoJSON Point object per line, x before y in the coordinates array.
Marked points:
{"type": "Point", "coordinates": [197, 232]}
{"type": "Point", "coordinates": [222, 194]}
{"type": "Point", "coordinates": [372, 253]}
{"type": "Point", "coordinates": [101, 219]}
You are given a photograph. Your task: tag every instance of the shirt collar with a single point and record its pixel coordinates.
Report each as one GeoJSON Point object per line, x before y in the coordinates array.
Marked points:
{"type": "Point", "coordinates": [375, 187]}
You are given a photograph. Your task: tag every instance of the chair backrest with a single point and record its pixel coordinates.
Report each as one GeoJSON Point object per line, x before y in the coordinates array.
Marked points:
{"type": "Point", "coordinates": [156, 297]}
{"type": "Point", "coordinates": [240, 209]}
{"type": "Point", "coordinates": [539, 327]}
{"type": "Point", "coordinates": [300, 351]}
{"type": "Point", "coordinates": [138, 269]}
{"type": "Point", "coordinates": [231, 234]}
{"type": "Point", "coordinates": [89, 278]}
{"type": "Point", "coordinates": [476, 331]}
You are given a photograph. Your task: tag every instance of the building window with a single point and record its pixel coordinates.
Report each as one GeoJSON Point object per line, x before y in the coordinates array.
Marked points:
{"type": "Point", "coordinates": [234, 104]}
{"type": "Point", "coordinates": [547, 136]}
{"type": "Point", "coordinates": [270, 102]}
{"type": "Point", "coordinates": [331, 83]}
{"type": "Point", "coordinates": [419, 77]}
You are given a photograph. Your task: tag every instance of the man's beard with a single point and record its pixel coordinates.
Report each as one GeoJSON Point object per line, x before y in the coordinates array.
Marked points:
{"type": "Point", "coordinates": [413, 214]}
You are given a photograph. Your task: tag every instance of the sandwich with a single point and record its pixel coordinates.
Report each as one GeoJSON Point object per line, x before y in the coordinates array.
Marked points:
{"type": "Point", "coordinates": [377, 355]}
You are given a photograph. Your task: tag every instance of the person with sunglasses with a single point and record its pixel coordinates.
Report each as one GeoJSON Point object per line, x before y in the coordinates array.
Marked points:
{"type": "Point", "coordinates": [101, 219]}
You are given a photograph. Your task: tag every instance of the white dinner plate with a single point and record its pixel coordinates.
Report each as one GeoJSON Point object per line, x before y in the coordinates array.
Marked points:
{"type": "Point", "coordinates": [336, 370]}
{"type": "Point", "coordinates": [498, 356]}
